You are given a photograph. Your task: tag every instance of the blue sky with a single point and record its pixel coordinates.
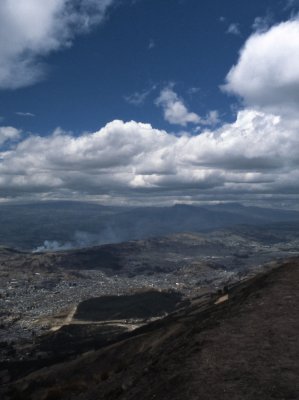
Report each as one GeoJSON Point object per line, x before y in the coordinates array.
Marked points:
{"type": "Point", "coordinates": [71, 67]}
{"type": "Point", "coordinates": [141, 45]}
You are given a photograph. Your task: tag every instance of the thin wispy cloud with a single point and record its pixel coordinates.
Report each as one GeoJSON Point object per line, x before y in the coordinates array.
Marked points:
{"type": "Point", "coordinates": [194, 90]}
{"type": "Point", "coordinates": [262, 24]}
{"type": "Point", "coordinates": [25, 114]}
{"type": "Point", "coordinates": [139, 98]}
{"type": "Point", "coordinates": [151, 44]}
{"type": "Point", "coordinates": [291, 4]}
{"type": "Point", "coordinates": [211, 119]}
{"type": "Point", "coordinates": [234, 29]}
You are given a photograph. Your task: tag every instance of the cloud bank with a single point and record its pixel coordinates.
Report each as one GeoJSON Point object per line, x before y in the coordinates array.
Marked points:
{"type": "Point", "coordinates": [32, 29]}
{"type": "Point", "coordinates": [256, 154]}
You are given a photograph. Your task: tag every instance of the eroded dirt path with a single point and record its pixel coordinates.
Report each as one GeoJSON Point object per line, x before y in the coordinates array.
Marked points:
{"type": "Point", "coordinates": [67, 320]}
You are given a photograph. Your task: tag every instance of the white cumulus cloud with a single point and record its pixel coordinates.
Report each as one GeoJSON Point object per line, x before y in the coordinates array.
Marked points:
{"type": "Point", "coordinates": [31, 29]}
{"type": "Point", "coordinates": [175, 111]}
{"type": "Point", "coordinates": [267, 72]}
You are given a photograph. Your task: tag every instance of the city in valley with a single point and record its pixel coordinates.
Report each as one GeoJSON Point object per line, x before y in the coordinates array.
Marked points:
{"type": "Point", "coordinates": [46, 295]}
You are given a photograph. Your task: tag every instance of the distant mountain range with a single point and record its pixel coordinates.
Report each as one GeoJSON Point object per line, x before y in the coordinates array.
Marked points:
{"type": "Point", "coordinates": [66, 225]}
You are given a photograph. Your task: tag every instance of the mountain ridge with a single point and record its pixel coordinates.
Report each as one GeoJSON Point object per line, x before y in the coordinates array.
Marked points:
{"type": "Point", "coordinates": [65, 225]}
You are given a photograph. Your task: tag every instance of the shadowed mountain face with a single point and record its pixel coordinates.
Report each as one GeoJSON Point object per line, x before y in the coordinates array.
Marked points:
{"type": "Point", "coordinates": [65, 225]}
{"type": "Point", "coordinates": [239, 345]}
{"type": "Point", "coordinates": [139, 305]}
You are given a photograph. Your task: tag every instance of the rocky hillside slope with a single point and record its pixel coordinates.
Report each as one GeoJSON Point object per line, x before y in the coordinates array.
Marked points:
{"type": "Point", "coordinates": [239, 344]}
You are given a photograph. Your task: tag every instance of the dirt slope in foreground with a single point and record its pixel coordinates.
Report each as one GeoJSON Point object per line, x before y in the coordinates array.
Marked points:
{"type": "Point", "coordinates": [243, 348]}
